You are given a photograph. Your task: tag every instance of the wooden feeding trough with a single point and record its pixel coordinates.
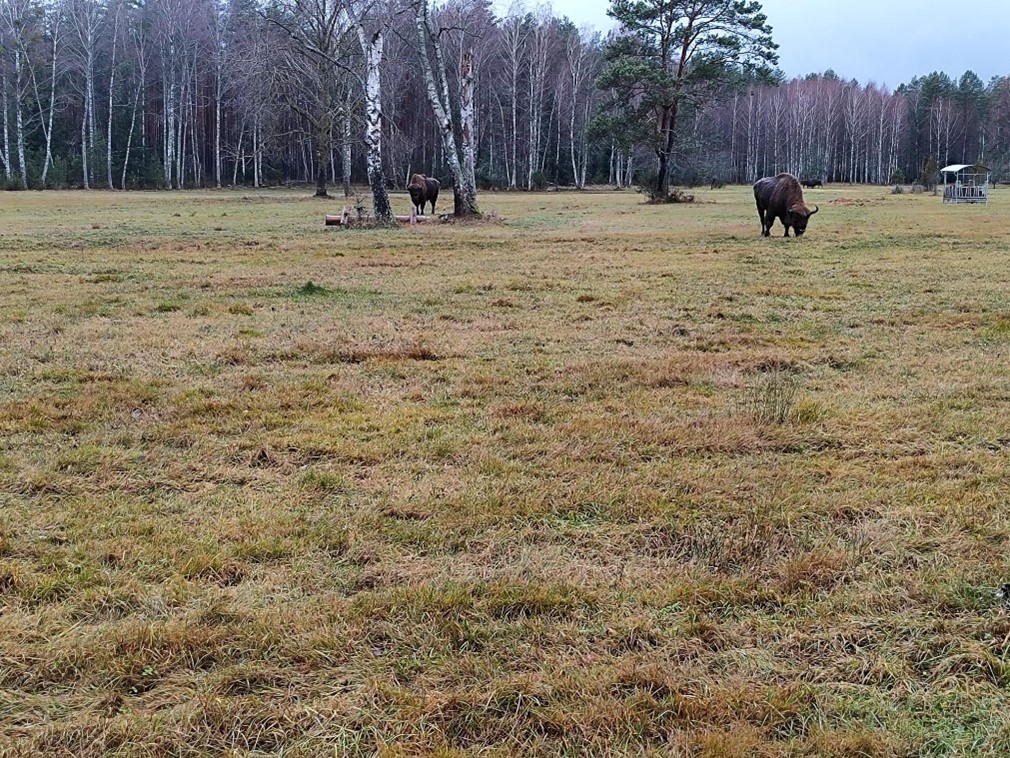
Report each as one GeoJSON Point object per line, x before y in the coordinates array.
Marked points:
{"type": "Point", "coordinates": [344, 219]}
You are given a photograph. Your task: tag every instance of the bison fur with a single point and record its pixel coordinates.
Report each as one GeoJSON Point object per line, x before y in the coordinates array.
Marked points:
{"type": "Point", "coordinates": [781, 197]}
{"type": "Point", "coordinates": [423, 190]}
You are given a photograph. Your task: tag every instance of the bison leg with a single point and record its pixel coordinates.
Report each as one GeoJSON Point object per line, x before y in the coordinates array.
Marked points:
{"type": "Point", "coordinates": [764, 224]}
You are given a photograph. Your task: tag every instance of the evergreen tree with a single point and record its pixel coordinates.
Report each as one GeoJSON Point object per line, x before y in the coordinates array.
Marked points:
{"type": "Point", "coordinates": [672, 52]}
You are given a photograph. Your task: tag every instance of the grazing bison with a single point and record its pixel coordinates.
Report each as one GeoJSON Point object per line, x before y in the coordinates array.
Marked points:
{"type": "Point", "coordinates": [423, 190]}
{"type": "Point", "coordinates": [781, 197]}
{"type": "Point", "coordinates": [811, 183]}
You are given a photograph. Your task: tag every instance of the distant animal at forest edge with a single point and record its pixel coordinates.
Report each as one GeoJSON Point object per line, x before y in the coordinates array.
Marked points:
{"type": "Point", "coordinates": [781, 197]}
{"type": "Point", "coordinates": [811, 183]}
{"type": "Point", "coordinates": [423, 190]}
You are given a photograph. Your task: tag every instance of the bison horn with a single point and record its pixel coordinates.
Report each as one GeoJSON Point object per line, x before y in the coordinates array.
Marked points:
{"type": "Point", "coordinates": [814, 210]}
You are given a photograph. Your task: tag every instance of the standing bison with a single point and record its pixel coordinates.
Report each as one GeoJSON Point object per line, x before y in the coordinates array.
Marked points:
{"type": "Point", "coordinates": [781, 197]}
{"type": "Point", "coordinates": [423, 190]}
{"type": "Point", "coordinates": [811, 183]}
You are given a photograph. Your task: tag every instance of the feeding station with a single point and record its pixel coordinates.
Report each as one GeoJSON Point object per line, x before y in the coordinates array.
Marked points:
{"type": "Point", "coordinates": [344, 219]}
{"type": "Point", "coordinates": [965, 184]}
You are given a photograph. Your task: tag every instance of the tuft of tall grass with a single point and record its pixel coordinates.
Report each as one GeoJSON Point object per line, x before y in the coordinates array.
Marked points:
{"type": "Point", "coordinates": [771, 399]}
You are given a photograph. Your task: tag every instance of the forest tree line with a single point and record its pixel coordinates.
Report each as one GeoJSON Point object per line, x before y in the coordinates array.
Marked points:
{"type": "Point", "coordinates": [201, 93]}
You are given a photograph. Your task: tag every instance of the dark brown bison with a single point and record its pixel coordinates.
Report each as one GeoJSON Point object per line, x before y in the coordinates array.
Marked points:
{"type": "Point", "coordinates": [781, 197]}
{"type": "Point", "coordinates": [423, 190]}
{"type": "Point", "coordinates": [811, 183]}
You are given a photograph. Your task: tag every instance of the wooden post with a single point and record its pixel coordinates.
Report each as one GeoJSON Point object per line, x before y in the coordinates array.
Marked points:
{"type": "Point", "coordinates": [413, 216]}
{"type": "Point", "coordinates": [342, 220]}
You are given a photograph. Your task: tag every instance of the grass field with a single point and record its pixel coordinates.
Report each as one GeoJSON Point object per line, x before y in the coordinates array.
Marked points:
{"type": "Point", "coordinates": [602, 479]}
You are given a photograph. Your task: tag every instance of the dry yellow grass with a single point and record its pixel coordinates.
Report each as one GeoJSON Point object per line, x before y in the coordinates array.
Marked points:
{"type": "Point", "coordinates": [602, 479]}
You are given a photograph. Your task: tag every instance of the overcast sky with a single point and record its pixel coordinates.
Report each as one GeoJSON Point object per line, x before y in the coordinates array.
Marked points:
{"type": "Point", "coordinates": [886, 41]}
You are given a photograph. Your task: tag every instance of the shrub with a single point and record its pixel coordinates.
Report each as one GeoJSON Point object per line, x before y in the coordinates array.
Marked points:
{"type": "Point", "coordinates": [57, 176]}
{"type": "Point", "coordinates": [674, 196]}
{"type": "Point", "coordinates": [489, 182]}
{"type": "Point", "coordinates": [928, 176]}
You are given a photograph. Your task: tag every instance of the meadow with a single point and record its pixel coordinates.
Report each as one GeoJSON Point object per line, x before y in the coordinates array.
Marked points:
{"type": "Point", "coordinates": [600, 479]}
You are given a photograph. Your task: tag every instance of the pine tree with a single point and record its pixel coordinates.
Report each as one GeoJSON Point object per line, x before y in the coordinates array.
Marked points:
{"type": "Point", "coordinates": [674, 52]}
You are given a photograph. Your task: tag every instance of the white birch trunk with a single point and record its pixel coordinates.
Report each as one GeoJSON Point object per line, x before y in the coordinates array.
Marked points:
{"type": "Point", "coordinates": [345, 147]}
{"type": "Point", "coordinates": [180, 131]}
{"type": "Point", "coordinates": [52, 105]}
{"type": "Point", "coordinates": [221, 51]}
{"type": "Point", "coordinates": [467, 135]}
{"type": "Point", "coordinates": [464, 200]}
{"type": "Point", "coordinates": [571, 142]}
{"type": "Point", "coordinates": [239, 154]}
{"type": "Point", "coordinates": [7, 141]}
{"type": "Point", "coordinates": [514, 175]}
{"type": "Point", "coordinates": [90, 85]}
{"type": "Point", "coordinates": [112, 89]}
{"type": "Point", "coordinates": [129, 136]}
{"type": "Point", "coordinates": [218, 97]}
{"type": "Point", "coordinates": [19, 123]}
{"type": "Point", "coordinates": [84, 147]}
{"type": "Point", "coordinates": [256, 151]}
{"type": "Point", "coordinates": [372, 49]}
{"type": "Point", "coordinates": [169, 99]}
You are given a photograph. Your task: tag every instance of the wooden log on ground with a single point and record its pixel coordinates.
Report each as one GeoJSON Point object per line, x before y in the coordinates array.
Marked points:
{"type": "Point", "coordinates": [344, 218]}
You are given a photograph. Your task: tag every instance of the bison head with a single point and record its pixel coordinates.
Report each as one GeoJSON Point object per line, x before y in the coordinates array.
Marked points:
{"type": "Point", "coordinates": [799, 214]}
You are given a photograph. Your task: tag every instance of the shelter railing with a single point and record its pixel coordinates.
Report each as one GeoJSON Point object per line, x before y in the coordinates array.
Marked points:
{"type": "Point", "coordinates": [965, 193]}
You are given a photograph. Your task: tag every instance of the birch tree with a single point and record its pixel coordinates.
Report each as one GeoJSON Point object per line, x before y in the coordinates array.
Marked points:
{"type": "Point", "coordinates": [53, 29]}
{"type": "Point", "coordinates": [512, 45]}
{"type": "Point", "coordinates": [86, 19]}
{"type": "Point", "coordinates": [20, 26]}
{"type": "Point", "coordinates": [436, 84]}
{"type": "Point", "coordinates": [140, 79]}
{"type": "Point", "coordinates": [112, 91]}
{"type": "Point", "coordinates": [372, 49]}
{"type": "Point", "coordinates": [580, 66]}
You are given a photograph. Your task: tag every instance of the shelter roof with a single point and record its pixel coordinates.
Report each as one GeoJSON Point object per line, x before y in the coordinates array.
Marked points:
{"type": "Point", "coordinates": [955, 168]}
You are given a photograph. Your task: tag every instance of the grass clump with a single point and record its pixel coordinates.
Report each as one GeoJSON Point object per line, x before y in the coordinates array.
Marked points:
{"type": "Point", "coordinates": [311, 289]}
{"type": "Point", "coordinates": [771, 398]}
